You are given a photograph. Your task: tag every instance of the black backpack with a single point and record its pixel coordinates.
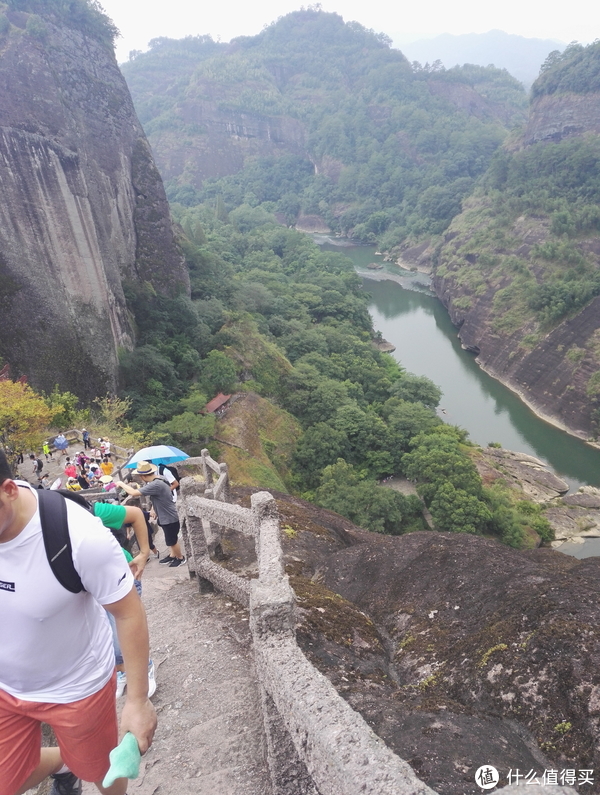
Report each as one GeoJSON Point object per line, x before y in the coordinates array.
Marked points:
{"type": "Point", "coordinates": [55, 531]}
{"type": "Point", "coordinates": [40, 464]}
{"type": "Point", "coordinates": [172, 470]}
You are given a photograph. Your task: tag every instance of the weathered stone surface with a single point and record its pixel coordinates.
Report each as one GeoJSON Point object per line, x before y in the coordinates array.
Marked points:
{"type": "Point", "coordinates": [83, 208]}
{"type": "Point", "coordinates": [537, 481]}
{"type": "Point", "coordinates": [568, 522]}
{"type": "Point", "coordinates": [455, 649]}
{"type": "Point", "coordinates": [557, 116]}
{"type": "Point", "coordinates": [228, 137]}
{"type": "Point", "coordinates": [582, 500]}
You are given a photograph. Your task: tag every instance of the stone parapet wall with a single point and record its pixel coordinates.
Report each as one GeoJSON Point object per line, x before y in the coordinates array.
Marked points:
{"type": "Point", "coordinates": [316, 743]}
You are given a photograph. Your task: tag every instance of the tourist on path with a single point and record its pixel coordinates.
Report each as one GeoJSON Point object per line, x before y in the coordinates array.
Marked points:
{"type": "Point", "coordinates": [70, 469]}
{"type": "Point", "coordinates": [162, 504]}
{"type": "Point", "coordinates": [85, 435]}
{"type": "Point", "coordinates": [38, 466]}
{"type": "Point", "coordinates": [56, 656]}
{"type": "Point", "coordinates": [114, 516]}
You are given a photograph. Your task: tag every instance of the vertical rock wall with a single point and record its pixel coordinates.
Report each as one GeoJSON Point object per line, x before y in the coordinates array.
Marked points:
{"type": "Point", "coordinates": [83, 209]}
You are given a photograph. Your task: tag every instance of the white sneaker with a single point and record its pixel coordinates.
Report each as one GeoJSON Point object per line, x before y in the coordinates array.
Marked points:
{"type": "Point", "coordinates": [121, 683]}
{"type": "Point", "coordinates": [151, 680]}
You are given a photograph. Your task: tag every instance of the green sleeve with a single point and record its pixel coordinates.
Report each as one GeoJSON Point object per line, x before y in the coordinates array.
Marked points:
{"type": "Point", "coordinates": [111, 515]}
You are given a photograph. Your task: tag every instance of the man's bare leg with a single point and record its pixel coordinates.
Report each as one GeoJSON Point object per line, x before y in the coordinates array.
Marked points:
{"type": "Point", "coordinates": [50, 762]}
{"type": "Point", "coordinates": [175, 551]}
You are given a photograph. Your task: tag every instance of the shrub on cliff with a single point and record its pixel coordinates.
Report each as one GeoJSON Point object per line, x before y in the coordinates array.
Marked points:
{"type": "Point", "coordinates": [576, 69]}
{"type": "Point", "coordinates": [24, 418]}
{"type": "Point", "coordinates": [87, 16]}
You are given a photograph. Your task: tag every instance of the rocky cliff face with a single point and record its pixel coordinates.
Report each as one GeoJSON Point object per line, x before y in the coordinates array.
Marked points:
{"type": "Point", "coordinates": [227, 138]}
{"type": "Point", "coordinates": [83, 208]}
{"type": "Point", "coordinates": [488, 267]}
{"type": "Point", "coordinates": [550, 371]}
{"type": "Point", "coordinates": [557, 116]}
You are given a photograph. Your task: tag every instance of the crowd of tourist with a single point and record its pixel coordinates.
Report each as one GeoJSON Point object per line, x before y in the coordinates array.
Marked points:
{"type": "Point", "coordinates": [83, 752]}
{"type": "Point", "coordinates": [91, 467]}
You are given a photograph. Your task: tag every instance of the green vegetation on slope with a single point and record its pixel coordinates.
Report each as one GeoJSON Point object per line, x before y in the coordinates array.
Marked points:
{"type": "Point", "coordinates": [272, 314]}
{"type": "Point", "coordinates": [552, 192]}
{"type": "Point", "coordinates": [524, 252]}
{"type": "Point", "coordinates": [388, 150]}
{"type": "Point", "coordinates": [87, 16]}
{"type": "Point", "coordinates": [576, 69]}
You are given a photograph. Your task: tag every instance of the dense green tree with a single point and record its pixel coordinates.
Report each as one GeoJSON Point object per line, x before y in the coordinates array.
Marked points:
{"type": "Point", "coordinates": [218, 373]}
{"type": "Point", "coordinates": [417, 388]}
{"type": "Point", "coordinates": [189, 431]}
{"type": "Point", "coordinates": [455, 510]}
{"type": "Point", "coordinates": [437, 460]}
{"type": "Point", "coordinates": [320, 446]}
{"type": "Point", "coordinates": [370, 506]}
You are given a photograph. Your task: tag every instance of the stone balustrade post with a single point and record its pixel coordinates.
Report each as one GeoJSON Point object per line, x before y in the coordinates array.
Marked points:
{"type": "Point", "coordinates": [212, 532]}
{"type": "Point", "coordinates": [272, 600]}
{"type": "Point", "coordinates": [193, 533]}
{"type": "Point", "coordinates": [206, 470]}
{"type": "Point", "coordinates": [225, 491]}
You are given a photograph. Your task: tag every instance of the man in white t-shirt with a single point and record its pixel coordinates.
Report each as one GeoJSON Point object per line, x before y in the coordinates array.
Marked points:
{"type": "Point", "coordinates": [56, 656]}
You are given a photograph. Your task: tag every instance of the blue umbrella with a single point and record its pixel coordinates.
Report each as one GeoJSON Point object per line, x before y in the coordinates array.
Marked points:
{"type": "Point", "coordinates": [158, 454]}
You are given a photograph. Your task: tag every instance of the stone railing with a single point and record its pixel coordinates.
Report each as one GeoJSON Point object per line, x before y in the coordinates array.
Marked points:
{"type": "Point", "coordinates": [203, 542]}
{"type": "Point", "coordinates": [316, 743]}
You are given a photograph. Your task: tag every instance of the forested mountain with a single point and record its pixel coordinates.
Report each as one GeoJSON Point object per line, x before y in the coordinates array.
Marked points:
{"type": "Point", "coordinates": [519, 269]}
{"type": "Point", "coordinates": [342, 126]}
{"type": "Point", "coordinates": [519, 55]}
{"type": "Point", "coordinates": [318, 118]}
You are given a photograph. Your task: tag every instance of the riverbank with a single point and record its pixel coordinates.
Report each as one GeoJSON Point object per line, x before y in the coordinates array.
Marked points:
{"type": "Point", "coordinates": [556, 423]}
{"type": "Point", "coordinates": [401, 279]}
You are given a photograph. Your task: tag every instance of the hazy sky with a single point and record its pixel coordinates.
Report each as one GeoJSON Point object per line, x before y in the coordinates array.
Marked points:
{"type": "Point", "coordinates": [142, 20]}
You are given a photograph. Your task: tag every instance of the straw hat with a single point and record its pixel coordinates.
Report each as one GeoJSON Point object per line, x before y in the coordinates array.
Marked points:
{"type": "Point", "coordinates": [145, 468]}
{"type": "Point", "coordinates": [106, 479]}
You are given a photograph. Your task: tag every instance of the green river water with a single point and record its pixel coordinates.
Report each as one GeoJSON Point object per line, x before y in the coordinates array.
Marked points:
{"type": "Point", "coordinates": [415, 321]}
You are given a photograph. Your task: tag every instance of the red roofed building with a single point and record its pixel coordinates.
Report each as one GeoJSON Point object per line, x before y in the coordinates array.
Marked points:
{"type": "Point", "coordinates": [217, 405]}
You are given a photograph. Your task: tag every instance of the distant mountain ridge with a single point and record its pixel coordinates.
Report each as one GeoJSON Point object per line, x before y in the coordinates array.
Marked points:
{"type": "Point", "coordinates": [363, 140]}
{"type": "Point", "coordinates": [520, 56]}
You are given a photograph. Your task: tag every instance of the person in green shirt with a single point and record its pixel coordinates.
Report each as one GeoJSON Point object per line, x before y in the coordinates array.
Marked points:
{"type": "Point", "coordinates": [114, 516]}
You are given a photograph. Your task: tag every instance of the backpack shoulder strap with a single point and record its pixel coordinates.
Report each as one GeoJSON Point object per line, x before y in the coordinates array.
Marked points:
{"type": "Point", "coordinates": [57, 541]}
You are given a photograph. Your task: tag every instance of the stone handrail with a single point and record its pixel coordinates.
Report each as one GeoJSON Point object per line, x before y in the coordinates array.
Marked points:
{"type": "Point", "coordinates": [316, 743]}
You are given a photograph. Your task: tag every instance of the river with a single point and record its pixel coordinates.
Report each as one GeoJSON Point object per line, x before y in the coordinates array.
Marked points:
{"type": "Point", "coordinates": [415, 321]}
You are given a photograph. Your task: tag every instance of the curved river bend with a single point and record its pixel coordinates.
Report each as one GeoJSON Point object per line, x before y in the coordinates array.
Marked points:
{"type": "Point", "coordinates": [415, 321]}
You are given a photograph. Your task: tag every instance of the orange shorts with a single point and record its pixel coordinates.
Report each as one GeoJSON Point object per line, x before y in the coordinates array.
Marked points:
{"type": "Point", "coordinates": [86, 731]}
